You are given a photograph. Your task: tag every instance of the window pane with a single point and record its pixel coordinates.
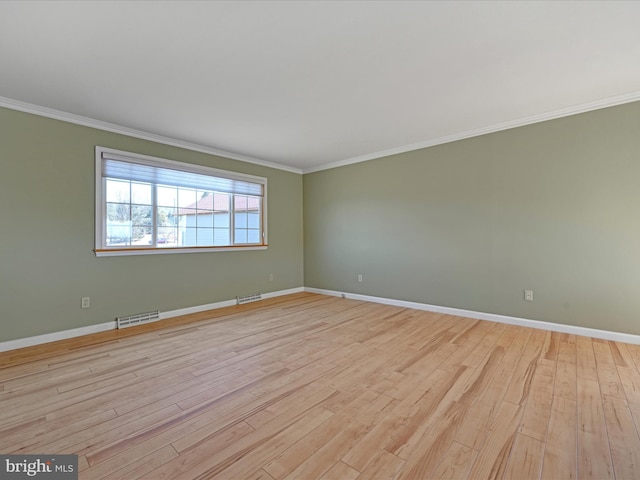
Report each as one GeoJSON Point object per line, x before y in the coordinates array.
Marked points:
{"type": "Point", "coordinates": [240, 220]}
{"type": "Point", "coordinates": [254, 220]}
{"type": "Point", "coordinates": [205, 237]}
{"type": "Point", "coordinates": [141, 215]}
{"type": "Point", "coordinates": [189, 237]}
{"type": "Point", "coordinates": [253, 203]}
{"type": "Point", "coordinates": [118, 191]}
{"type": "Point", "coordinates": [253, 236]}
{"type": "Point", "coordinates": [221, 202]}
{"type": "Point", "coordinates": [221, 220]}
{"type": "Point", "coordinates": [188, 212]}
{"type": "Point", "coordinates": [187, 198]}
{"type": "Point", "coordinates": [142, 236]}
{"type": "Point", "coordinates": [241, 236]}
{"type": "Point", "coordinates": [167, 237]}
{"type": "Point", "coordinates": [167, 196]}
{"type": "Point", "coordinates": [167, 216]}
{"type": "Point", "coordinates": [244, 202]}
{"type": "Point", "coordinates": [240, 202]}
{"type": "Point", "coordinates": [141, 193]}
{"type": "Point", "coordinates": [221, 236]}
{"type": "Point", "coordinates": [118, 233]}
{"type": "Point", "coordinates": [205, 220]}
{"type": "Point", "coordinates": [205, 202]}
{"type": "Point", "coordinates": [118, 212]}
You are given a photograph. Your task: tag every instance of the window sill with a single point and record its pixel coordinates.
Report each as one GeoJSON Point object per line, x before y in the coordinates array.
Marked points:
{"type": "Point", "coordinates": [120, 252]}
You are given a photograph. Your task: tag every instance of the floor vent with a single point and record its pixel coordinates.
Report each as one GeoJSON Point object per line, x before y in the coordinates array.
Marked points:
{"type": "Point", "coordinates": [254, 297]}
{"type": "Point", "coordinates": [137, 319]}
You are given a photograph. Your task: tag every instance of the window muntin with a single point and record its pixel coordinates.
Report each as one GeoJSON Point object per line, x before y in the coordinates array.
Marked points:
{"type": "Point", "coordinates": [149, 204]}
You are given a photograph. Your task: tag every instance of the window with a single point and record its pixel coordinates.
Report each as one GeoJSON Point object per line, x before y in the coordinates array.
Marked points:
{"type": "Point", "coordinates": [151, 205]}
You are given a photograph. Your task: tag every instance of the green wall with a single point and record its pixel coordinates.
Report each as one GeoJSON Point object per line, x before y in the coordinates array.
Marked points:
{"type": "Point", "coordinates": [553, 207]}
{"type": "Point", "coordinates": [47, 235]}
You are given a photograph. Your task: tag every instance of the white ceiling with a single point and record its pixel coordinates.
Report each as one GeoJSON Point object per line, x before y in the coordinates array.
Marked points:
{"type": "Point", "coordinates": [307, 84]}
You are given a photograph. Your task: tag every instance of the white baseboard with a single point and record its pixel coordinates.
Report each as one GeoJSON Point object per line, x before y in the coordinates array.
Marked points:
{"type": "Point", "coordinates": [103, 327]}
{"type": "Point", "coordinates": [523, 322]}
{"type": "Point", "coordinates": [224, 303]}
{"type": "Point", "coordinates": [283, 292]}
{"type": "Point", "coordinates": [55, 336]}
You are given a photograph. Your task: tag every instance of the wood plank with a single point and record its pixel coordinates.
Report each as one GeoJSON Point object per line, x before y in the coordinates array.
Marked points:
{"type": "Point", "coordinates": [223, 437]}
{"type": "Point", "coordinates": [484, 408]}
{"type": "Point", "coordinates": [549, 354]}
{"type": "Point", "coordinates": [538, 407]}
{"type": "Point", "coordinates": [433, 404]}
{"type": "Point", "coordinates": [286, 462]}
{"type": "Point", "coordinates": [258, 444]}
{"type": "Point", "coordinates": [259, 475]}
{"type": "Point", "coordinates": [260, 453]}
{"type": "Point", "coordinates": [634, 353]}
{"type": "Point", "coordinates": [383, 466]}
{"type": "Point", "coordinates": [561, 452]}
{"type": "Point", "coordinates": [485, 346]}
{"type": "Point", "coordinates": [526, 458]}
{"type": "Point", "coordinates": [316, 464]}
{"type": "Point", "coordinates": [566, 371]}
{"type": "Point", "coordinates": [28, 437]}
{"type": "Point", "coordinates": [618, 353]}
{"type": "Point", "coordinates": [141, 466]}
{"type": "Point", "coordinates": [519, 387]}
{"type": "Point", "coordinates": [586, 360]}
{"type": "Point", "coordinates": [455, 462]}
{"type": "Point", "coordinates": [399, 416]}
{"type": "Point", "coordinates": [630, 379]}
{"type": "Point", "coordinates": [608, 377]}
{"type": "Point", "coordinates": [492, 458]}
{"type": "Point", "coordinates": [623, 438]}
{"type": "Point", "coordinates": [340, 471]}
{"type": "Point", "coordinates": [434, 443]}
{"type": "Point", "coordinates": [624, 352]}
{"type": "Point", "coordinates": [594, 456]}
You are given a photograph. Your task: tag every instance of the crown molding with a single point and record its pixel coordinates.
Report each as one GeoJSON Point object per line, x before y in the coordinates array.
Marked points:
{"type": "Point", "coordinates": [132, 132]}
{"type": "Point", "coordinates": [542, 117]}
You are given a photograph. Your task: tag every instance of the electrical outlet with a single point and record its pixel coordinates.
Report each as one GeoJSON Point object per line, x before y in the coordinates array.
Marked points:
{"type": "Point", "coordinates": [271, 277]}
{"type": "Point", "coordinates": [360, 277]}
{"type": "Point", "coordinates": [528, 295]}
{"type": "Point", "coordinates": [86, 302]}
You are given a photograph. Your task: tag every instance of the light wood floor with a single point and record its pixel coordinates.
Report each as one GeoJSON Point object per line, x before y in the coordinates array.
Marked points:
{"type": "Point", "coordinates": [315, 387]}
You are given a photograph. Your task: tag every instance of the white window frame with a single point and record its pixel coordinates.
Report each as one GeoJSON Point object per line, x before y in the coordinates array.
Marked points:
{"type": "Point", "coordinates": [102, 250]}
